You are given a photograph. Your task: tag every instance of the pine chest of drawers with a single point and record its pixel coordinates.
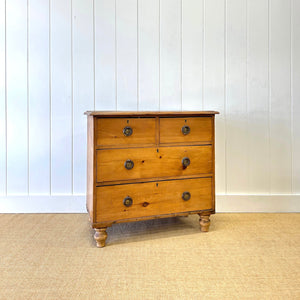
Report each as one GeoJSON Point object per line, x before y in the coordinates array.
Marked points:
{"type": "Point", "coordinates": [147, 165]}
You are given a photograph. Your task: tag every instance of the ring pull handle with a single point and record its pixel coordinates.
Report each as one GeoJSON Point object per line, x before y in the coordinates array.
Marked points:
{"type": "Point", "coordinates": [127, 201]}
{"type": "Point", "coordinates": [186, 162]}
{"type": "Point", "coordinates": [127, 131]}
{"type": "Point", "coordinates": [129, 164]}
{"type": "Point", "coordinates": [186, 130]}
{"type": "Point", "coordinates": [186, 196]}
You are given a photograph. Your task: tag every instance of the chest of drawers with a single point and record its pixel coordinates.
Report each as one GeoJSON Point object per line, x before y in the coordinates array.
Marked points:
{"type": "Point", "coordinates": [146, 165]}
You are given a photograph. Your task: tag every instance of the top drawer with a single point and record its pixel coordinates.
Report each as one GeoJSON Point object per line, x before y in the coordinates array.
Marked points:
{"type": "Point", "coordinates": [186, 130]}
{"type": "Point", "coordinates": [124, 131]}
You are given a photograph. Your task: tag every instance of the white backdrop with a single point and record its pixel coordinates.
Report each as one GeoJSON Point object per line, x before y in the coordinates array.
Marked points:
{"type": "Point", "coordinates": [59, 58]}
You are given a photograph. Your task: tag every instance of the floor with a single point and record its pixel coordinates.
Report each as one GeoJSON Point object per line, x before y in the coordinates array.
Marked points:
{"type": "Point", "coordinates": [244, 256]}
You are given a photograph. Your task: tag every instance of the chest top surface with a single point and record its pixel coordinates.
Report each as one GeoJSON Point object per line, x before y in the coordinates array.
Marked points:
{"type": "Point", "coordinates": [149, 113]}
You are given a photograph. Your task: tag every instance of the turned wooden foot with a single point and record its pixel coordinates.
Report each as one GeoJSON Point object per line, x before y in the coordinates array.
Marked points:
{"type": "Point", "coordinates": [204, 221]}
{"type": "Point", "coordinates": [100, 236]}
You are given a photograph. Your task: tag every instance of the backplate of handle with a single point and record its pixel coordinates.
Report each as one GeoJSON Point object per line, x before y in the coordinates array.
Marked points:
{"type": "Point", "coordinates": [127, 131]}
{"type": "Point", "coordinates": [186, 196]}
{"type": "Point", "coordinates": [186, 130]}
{"type": "Point", "coordinates": [129, 164]}
{"type": "Point", "coordinates": [127, 201]}
{"type": "Point", "coordinates": [186, 162]}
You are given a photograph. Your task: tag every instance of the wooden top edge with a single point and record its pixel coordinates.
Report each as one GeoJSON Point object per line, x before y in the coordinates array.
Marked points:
{"type": "Point", "coordinates": [149, 113]}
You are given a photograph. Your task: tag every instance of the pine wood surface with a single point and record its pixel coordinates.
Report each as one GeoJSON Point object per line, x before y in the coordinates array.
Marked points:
{"type": "Point", "coordinates": [149, 113]}
{"type": "Point", "coordinates": [156, 145]}
{"type": "Point", "coordinates": [153, 198]}
{"type": "Point", "coordinates": [153, 162]}
{"type": "Point", "coordinates": [200, 130]}
{"type": "Point", "coordinates": [109, 131]}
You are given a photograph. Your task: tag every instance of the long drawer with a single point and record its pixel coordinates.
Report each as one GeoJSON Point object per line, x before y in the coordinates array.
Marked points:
{"type": "Point", "coordinates": [133, 163]}
{"type": "Point", "coordinates": [153, 198]}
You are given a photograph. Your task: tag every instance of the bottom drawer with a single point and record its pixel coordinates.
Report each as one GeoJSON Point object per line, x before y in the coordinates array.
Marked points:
{"type": "Point", "coordinates": [128, 201]}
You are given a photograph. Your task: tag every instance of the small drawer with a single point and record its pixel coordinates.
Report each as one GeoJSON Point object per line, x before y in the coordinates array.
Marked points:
{"type": "Point", "coordinates": [153, 198]}
{"type": "Point", "coordinates": [124, 131]}
{"type": "Point", "coordinates": [134, 163]}
{"type": "Point", "coordinates": [186, 130]}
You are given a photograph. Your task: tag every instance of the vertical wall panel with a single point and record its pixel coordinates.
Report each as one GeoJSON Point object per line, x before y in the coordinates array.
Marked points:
{"type": "Point", "coordinates": [2, 101]}
{"type": "Point", "coordinates": [192, 54]}
{"type": "Point", "coordinates": [214, 88]}
{"type": "Point", "coordinates": [83, 86]}
{"type": "Point", "coordinates": [170, 55]}
{"type": "Point", "coordinates": [280, 93]}
{"type": "Point", "coordinates": [61, 97]}
{"type": "Point", "coordinates": [148, 54]}
{"type": "Point", "coordinates": [296, 94]}
{"type": "Point", "coordinates": [126, 36]}
{"type": "Point", "coordinates": [17, 121]}
{"type": "Point", "coordinates": [59, 58]}
{"type": "Point", "coordinates": [38, 96]}
{"type": "Point", "coordinates": [105, 55]}
{"type": "Point", "coordinates": [236, 102]}
{"type": "Point", "coordinates": [258, 97]}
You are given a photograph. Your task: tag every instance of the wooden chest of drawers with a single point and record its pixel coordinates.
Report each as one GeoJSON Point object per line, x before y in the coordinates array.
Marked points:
{"type": "Point", "coordinates": [146, 165]}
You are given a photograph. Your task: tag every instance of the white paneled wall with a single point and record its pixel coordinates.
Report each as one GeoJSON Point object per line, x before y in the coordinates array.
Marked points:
{"type": "Point", "coordinates": [59, 58]}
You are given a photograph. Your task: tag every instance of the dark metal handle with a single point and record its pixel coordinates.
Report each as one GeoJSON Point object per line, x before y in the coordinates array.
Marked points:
{"type": "Point", "coordinates": [127, 131]}
{"type": "Point", "coordinates": [186, 196]}
{"type": "Point", "coordinates": [127, 201]}
{"type": "Point", "coordinates": [186, 161]}
{"type": "Point", "coordinates": [128, 164]}
{"type": "Point", "coordinates": [186, 130]}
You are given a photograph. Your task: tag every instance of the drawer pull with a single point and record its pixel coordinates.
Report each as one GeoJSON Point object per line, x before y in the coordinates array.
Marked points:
{"type": "Point", "coordinates": [127, 201]}
{"type": "Point", "coordinates": [127, 131]}
{"type": "Point", "coordinates": [186, 162]}
{"type": "Point", "coordinates": [129, 164]}
{"type": "Point", "coordinates": [186, 196]}
{"type": "Point", "coordinates": [186, 130]}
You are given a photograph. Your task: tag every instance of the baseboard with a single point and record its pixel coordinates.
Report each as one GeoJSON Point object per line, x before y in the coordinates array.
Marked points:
{"type": "Point", "coordinates": [76, 203]}
{"type": "Point", "coordinates": [43, 204]}
{"type": "Point", "coordinates": [258, 203]}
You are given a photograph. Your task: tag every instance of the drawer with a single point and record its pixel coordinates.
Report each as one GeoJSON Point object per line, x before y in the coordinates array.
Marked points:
{"type": "Point", "coordinates": [152, 198]}
{"type": "Point", "coordinates": [153, 162]}
{"type": "Point", "coordinates": [186, 130]}
{"type": "Point", "coordinates": [124, 131]}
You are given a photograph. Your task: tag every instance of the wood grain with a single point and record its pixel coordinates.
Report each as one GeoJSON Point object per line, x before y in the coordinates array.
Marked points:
{"type": "Point", "coordinates": [153, 198]}
{"type": "Point", "coordinates": [90, 168]}
{"type": "Point", "coordinates": [153, 187]}
{"type": "Point", "coordinates": [170, 130]}
{"type": "Point", "coordinates": [109, 132]}
{"type": "Point", "coordinates": [153, 162]}
{"type": "Point", "coordinates": [130, 114]}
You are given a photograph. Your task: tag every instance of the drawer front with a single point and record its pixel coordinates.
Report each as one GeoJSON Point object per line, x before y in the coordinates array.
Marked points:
{"type": "Point", "coordinates": [186, 130]}
{"type": "Point", "coordinates": [153, 198]}
{"type": "Point", "coordinates": [122, 131]}
{"type": "Point", "coordinates": [153, 162]}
